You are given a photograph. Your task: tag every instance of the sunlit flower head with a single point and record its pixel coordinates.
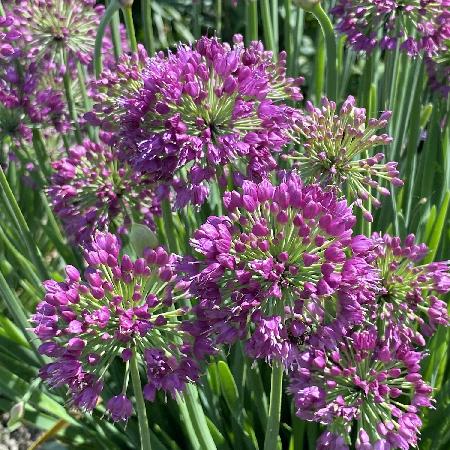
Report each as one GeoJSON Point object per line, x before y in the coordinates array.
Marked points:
{"type": "Point", "coordinates": [415, 26]}
{"type": "Point", "coordinates": [334, 151]}
{"type": "Point", "coordinates": [123, 309]}
{"type": "Point", "coordinates": [191, 112]}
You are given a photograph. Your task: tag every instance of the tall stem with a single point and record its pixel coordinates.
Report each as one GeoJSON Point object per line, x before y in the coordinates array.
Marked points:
{"type": "Point", "coordinates": [198, 418]}
{"type": "Point", "coordinates": [115, 33]}
{"type": "Point", "coordinates": [140, 405]}
{"type": "Point", "coordinates": [129, 24]}
{"type": "Point", "coordinates": [218, 12]}
{"type": "Point", "coordinates": [252, 20]}
{"type": "Point", "coordinates": [110, 11]}
{"type": "Point", "coordinates": [330, 43]}
{"type": "Point", "coordinates": [269, 37]}
{"type": "Point", "coordinates": [148, 26]}
{"type": "Point", "coordinates": [273, 423]}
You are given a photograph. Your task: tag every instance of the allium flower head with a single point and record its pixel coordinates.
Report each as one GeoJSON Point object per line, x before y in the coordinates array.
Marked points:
{"type": "Point", "coordinates": [197, 109]}
{"type": "Point", "coordinates": [366, 379]}
{"type": "Point", "coordinates": [333, 145]}
{"type": "Point", "coordinates": [92, 190]}
{"type": "Point", "coordinates": [409, 294]}
{"type": "Point", "coordinates": [123, 308]}
{"type": "Point", "coordinates": [53, 27]}
{"type": "Point", "coordinates": [25, 104]}
{"type": "Point", "coordinates": [415, 26]}
{"type": "Point", "coordinates": [279, 260]}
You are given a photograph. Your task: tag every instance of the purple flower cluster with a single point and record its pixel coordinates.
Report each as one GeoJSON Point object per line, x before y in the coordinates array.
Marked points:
{"type": "Point", "coordinates": [92, 190]}
{"type": "Point", "coordinates": [187, 114]}
{"type": "Point", "coordinates": [124, 309]}
{"type": "Point", "coordinates": [8, 37]}
{"type": "Point", "coordinates": [277, 267]}
{"type": "Point", "coordinates": [366, 378]}
{"type": "Point", "coordinates": [414, 26]}
{"type": "Point", "coordinates": [332, 151]}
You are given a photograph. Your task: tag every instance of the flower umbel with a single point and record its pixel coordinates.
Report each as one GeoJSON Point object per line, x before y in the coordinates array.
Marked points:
{"type": "Point", "coordinates": [92, 190]}
{"type": "Point", "coordinates": [193, 111]}
{"type": "Point", "coordinates": [276, 259]}
{"type": "Point", "coordinates": [368, 379]}
{"type": "Point", "coordinates": [335, 150]}
{"type": "Point", "coordinates": [413, 25]}
{"type": "Point", "coordinates": [124, 306]}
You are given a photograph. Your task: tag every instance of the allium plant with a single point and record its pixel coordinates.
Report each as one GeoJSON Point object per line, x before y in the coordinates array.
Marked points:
{"type": "Point", "coordinates": [409, 290]}
{"type": "Point", "coordinates": [414, 26]}
{"type": "Point", "coordinates": [368, 380]}
{"type": "Point", "coordinates": [123, 310]}
{"type": "Point", "coordinates": [188, 114]}
{"type": "Point", "coordinates": [92, 190]}
{"type": "Point", "coordinates": [334, 151]}
{"type": "Point", "coordinates": [8, 37]}
{"type": "Point", "coordinates": [274, 266]}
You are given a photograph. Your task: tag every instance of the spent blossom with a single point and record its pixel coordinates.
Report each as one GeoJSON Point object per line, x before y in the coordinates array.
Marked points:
{"type": "Point", "coordinates": [189, 113]}
{"type": "Point", "coordinates": [124, 308]}
{"type": "Point", "coordinates": [92, 190]}
{"type": "Point", "coordinates": [334, 147]}
{"type": "Point", "coordinates": [414, 26]}
{"type": "Point", "coordinates": [368, 380]}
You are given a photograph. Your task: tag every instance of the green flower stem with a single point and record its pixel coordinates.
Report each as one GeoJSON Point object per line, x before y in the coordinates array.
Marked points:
{"type": "Point", "coordinates": [129, 24]}
{"type": "Point", "coordinates": [115, 33]}
{"type": "Point", "coordinates": [288, 36]}
{"type": "Point", "coordinates": [109, 13]}
{"type": "Point", "coordinates": [197, 12]}
{"type": "Point", "coordinates": [140, 404]}
{"type": "Point", "coordinates": [2, 10]}
{"type": "Point", "coordinates": [87, 103]}
{"type": "Point", "coordinates": [198, 418]}
{"type": "Point", "coordinates": [22, 226]}
{"type": "Point", "coordinates": [188, 423]}
{"type": "Point", "coordinates": [67, 81]}
{"type": "Point", "coordinates": [148, 26]}
{"type": "Point", "coordinates": [252, 20]}
{"type": "Point", "coordinates": [330, 43]}
{"type": "Point", "coordinates": [269, 37]}
{"type": "Point", "coordinates": [298, 36]}
{"type": "Point", "coordinates": [273, 423]}
{"type": "Point", "coordinates": [169, 227]}
{"type": "Point", "coordinates": [218, 12]}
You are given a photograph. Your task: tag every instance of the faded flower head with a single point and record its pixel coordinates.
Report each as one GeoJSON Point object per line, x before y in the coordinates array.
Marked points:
{"type": "Point", "coordinates": [415, 26]}
{"type": "Point", "coordinates": [278, 263]}
{"type": "Point", "coordinates": [334, 148]}
{"type": "Point", "coordinates": [410, 290]}
{"type": "Point", "coordinates": [367, 380]}
{"type": "Point", "coordinates": [123, 309]}
{"type": "Point", "coordinates": [92, 190]}
{"type": "Point", "coordinates": [52, 28]}
{"type": "Point", "coordinates": [186, 114]}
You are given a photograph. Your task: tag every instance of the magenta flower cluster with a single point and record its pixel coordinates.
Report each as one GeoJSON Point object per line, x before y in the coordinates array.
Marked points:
{"type": "Point", "coordinates": [187, 114]}
{"type": "Point", "coordinates": [123, 309]}
{"type": "Point", "coordinates": [92, 190]}
{"type": "Point", "coordinates": [413, 26]}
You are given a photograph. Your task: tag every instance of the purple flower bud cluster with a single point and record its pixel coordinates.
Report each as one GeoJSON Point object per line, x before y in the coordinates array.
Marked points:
{"type": "Point", "coordinates": [414, 26]}
{"type": "Point", "coordinates": [8, 38]}
{"type": "Point", "coordinates": [332, 151]}
{"type": "Point", "coordinates": [277, 267]}
{"type": "Point", "coordinates": [92, 190]}
{"type": "Point", "coordinates": [123, 309]}
{"type": "Point", "coordinates": [366, 378]}
{"type": "Point", "coordinates": [184, 115]}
